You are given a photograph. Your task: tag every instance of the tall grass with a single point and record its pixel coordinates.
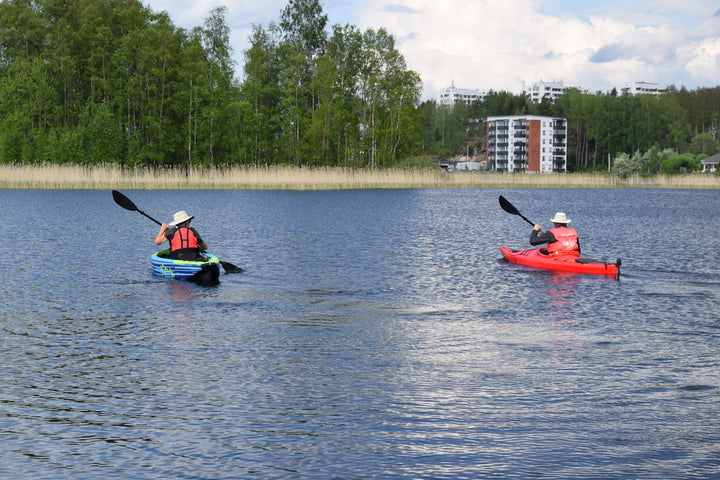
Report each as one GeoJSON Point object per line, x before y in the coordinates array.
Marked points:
{"type": "Point", "coordinates": [296, 178]}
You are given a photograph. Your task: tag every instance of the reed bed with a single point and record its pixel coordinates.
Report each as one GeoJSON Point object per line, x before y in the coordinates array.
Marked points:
{"type": "Point", "coordinates": [297, 178]}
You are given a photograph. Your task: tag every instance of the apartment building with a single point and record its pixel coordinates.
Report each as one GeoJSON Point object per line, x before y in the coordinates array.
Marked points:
{"type": "Point", "coordinates": [540, 90]}
{"type": "Point", "coordinates": [449, 95]}
{"type": "Point", "coordinates": [527, 143]}
{"type": "Point", "coordinates": [644, 88]}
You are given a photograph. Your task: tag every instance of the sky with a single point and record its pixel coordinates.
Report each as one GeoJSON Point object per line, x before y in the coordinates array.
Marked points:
{"type": "Point", "coordinates": [506, 45]}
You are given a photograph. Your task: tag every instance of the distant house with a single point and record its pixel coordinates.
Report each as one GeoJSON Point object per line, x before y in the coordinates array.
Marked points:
{"type": "Point", "coordinates": [710, 164]}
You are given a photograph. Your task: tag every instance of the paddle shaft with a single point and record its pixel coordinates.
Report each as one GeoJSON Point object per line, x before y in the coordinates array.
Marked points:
{"type": "Point", "coordinates": [151, 218]}
{"type": "Point", "coordinates": [523, 217]}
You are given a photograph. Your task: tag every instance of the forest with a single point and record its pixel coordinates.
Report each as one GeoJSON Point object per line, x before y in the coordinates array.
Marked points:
{"type": "Point", "coordinates": [114, 83]}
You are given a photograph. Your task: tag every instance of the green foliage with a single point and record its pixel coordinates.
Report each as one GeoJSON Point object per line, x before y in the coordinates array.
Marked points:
{"type": "Point", "coordinates": [648, 163]}
{"type": "Point", "coordinates": [683, 163]}
{"type": "Point", "coordinates": [625, 165]}
{"type": "Point", "coordinates": [99, 136]}
{"type": "Point", "coordinates": [704, 144]}
{"type": "Point", "coordinates": [417, 162]}
{"type": "Point", "coordinates": [113, 82]}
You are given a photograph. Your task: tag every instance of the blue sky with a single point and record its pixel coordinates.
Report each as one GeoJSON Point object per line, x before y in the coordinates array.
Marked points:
{"type": "Point", "coordinates": [491, 44]}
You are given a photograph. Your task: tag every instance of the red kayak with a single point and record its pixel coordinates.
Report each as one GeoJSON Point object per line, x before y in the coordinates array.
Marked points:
{"type": "Point", "coordinates": [564, 263]}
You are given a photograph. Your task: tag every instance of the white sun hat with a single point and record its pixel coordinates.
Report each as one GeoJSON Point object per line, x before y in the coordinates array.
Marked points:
{"type": "Point", "coordinates": [180, 217]}
{"type": "Point", "coordinates": [560, 218]}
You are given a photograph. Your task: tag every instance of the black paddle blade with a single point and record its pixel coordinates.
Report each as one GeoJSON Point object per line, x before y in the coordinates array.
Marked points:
{"type": "Point", "coordinates": [208, 275]}
{"type": "Point", "coordinates": [127, 204]}
{"type": "Point", "coordinates": [507, 206]}
{"type": "Point", "coordinates": [124, 201]}
{"type": "Point", "coordinates": [230, 268]}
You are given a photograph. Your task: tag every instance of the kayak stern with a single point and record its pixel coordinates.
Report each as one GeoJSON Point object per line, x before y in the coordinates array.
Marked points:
{"type": "Point", "coordinates": [202, 272]}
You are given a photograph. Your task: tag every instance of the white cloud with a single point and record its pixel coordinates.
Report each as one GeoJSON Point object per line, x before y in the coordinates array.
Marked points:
{"type": "Point", "coordinates": [498, 45]}
{"type": "Point", "coordinates": [702, 60]}
{"type": "Point", "coordinates": [491, 44]}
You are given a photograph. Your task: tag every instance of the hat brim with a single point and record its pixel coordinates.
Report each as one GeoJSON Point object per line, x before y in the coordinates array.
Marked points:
{"type": "Point", "coordinates": [178, 222]}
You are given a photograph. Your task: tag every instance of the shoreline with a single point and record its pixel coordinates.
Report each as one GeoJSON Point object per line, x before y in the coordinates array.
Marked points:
{"type": "Point", "coordinates": [321, 178]}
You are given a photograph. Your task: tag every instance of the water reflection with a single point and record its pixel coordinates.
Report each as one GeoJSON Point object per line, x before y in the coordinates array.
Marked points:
{"type": "Point", "coordinates": [560, 288]}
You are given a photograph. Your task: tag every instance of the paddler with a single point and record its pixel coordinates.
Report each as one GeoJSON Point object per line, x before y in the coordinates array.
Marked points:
{"type": "Point", "coordinates": [561, 239]}
{"type": "Point", "coordinates": [185, 241]}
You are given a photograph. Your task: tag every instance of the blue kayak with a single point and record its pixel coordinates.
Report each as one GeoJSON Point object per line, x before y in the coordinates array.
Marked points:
{"type": "Point", "coordinates": [204, 271]}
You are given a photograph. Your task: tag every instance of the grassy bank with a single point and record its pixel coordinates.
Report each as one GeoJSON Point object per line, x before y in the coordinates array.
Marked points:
{"type": "Point", "coordinates": [294, 178]}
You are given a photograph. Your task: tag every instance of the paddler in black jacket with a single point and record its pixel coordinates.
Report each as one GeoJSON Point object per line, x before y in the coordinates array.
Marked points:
{"type": "Point", "coordinates": [561, 240]}
{"type": "Point", "coordinates": [185, 241]}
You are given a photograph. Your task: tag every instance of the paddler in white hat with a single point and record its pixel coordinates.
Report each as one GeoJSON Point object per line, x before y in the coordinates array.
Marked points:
{"type": "Point", "coordinates": [185, 241]}
{"type": "Point", "coordinates": [561, 239]}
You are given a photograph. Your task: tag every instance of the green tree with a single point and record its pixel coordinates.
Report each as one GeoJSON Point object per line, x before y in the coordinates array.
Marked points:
{"type": "Point", "coordinates": [99, 136]}
{"type": "Point", "coordinates": [302, 25]}
{"type": "Point", "coordinates": [704, 144]}
{"type": "Point", "coordinates": [624, 165]}
{"type": "Point", "coordinates": [261, 101]}
{"type": "Point", "coordinates": [683, 163]}
{"type": "Point", "coordinates": [333, 130]}
{"type": "Point", "coordinates": [222, 93]}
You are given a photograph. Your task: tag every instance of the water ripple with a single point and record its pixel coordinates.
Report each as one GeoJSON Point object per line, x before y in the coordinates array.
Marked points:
{"type": "Point", "coordinates": [374, 334]}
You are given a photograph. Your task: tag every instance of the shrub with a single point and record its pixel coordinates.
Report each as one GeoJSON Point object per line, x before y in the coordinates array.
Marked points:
{"type": "Point", "coordinates": [686, 162]}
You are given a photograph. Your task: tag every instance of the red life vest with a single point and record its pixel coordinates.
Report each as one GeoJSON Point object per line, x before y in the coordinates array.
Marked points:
{"type": "Point", "coordinates": [566, 242]}
{"type": "Point", "coordinates": [184, 239]}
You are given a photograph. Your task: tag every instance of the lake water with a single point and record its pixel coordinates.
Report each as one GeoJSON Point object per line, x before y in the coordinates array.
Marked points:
{"type": "Point", "coordinates": [375, 334]}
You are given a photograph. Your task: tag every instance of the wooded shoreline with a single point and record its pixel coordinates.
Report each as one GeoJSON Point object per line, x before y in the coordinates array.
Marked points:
{"type": "Point", "coordinates": [321, 178]}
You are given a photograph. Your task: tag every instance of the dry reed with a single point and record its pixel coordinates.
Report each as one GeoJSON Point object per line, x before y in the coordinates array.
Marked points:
{"type": "Point", "coordinates": [296, 178]}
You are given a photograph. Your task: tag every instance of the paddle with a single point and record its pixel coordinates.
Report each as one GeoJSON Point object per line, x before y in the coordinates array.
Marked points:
{"type": "Point", "coordinates": [508, 207]}
{"type": "Point", "coordinates": [128, 204]}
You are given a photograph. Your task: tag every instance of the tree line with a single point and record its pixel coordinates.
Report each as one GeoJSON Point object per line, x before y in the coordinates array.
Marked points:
{"type": "Point", "coordinates": [91, 82]}
{"type": "Point", "coordinates": [113, 82]}
{"type": "Point", "coordinates": [639, 131]}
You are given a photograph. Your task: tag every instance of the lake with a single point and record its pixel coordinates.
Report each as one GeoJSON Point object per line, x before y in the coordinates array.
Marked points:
{"type": "Point", "coordinates": [375, 334]}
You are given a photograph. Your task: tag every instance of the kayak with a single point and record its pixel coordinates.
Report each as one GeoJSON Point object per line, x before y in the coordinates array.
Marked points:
{"type": "Point", "coordinates": [202, 272]}
{"type": "Point", "coordinates": [564, 263]}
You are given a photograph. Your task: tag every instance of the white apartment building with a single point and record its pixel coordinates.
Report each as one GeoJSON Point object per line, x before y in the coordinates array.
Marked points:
{"type": "Point", "coordinates": [527, 143]}
{"type": "Point", "coordinates": [449, 95]}
{"type": "Point", "coordinates": [644, 88]}
{"type": "Point", "coordinates": [540, 90]}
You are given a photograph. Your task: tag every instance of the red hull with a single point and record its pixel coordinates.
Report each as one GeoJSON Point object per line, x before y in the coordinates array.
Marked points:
{"type": "Point", "coordinates": [566, 263]}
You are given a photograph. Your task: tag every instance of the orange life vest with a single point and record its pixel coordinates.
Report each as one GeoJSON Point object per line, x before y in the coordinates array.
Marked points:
{"type": "Point", "coordinates": [184, 240]}
{"type": "Point", "coordinates": [566, 242]}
